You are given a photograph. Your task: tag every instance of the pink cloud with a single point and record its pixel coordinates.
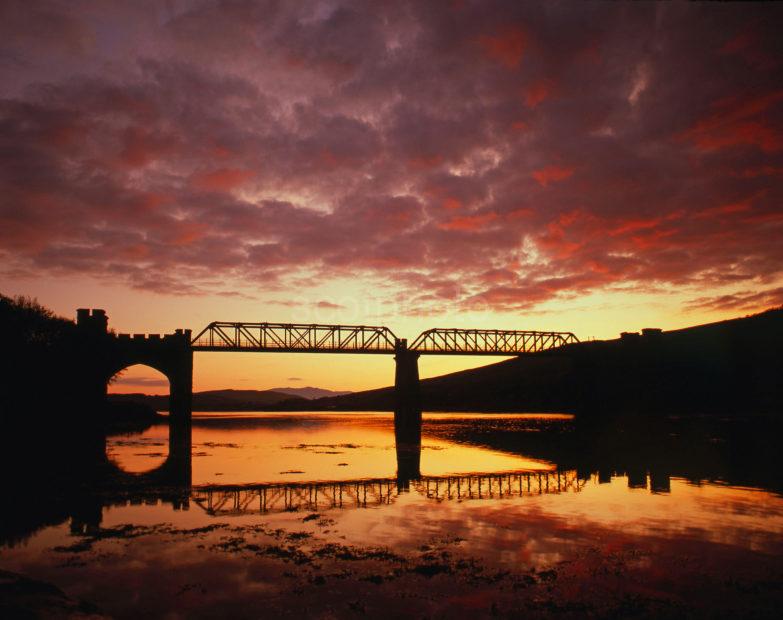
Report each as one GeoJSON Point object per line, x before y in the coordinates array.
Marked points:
{"type": "Point", "coordinates": [538, 92]}
{"type": "Point", "coordinates": [739, 122]}
{"type": "Point", "coordinates": [552, 174]}
{"type": "Point", "coordinates": [408, 148]}
{"type": "Point", "coordinates": [469, 222]}
{"type": "Point", "coordinates": [222, 179]}
{"type": "Point", "coordinates": [505, 47]}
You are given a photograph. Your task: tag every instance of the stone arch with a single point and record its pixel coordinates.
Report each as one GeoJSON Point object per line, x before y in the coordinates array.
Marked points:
{"type": "Point", "coordinates": [173, 358]}
{"type": "Point", "coordinates": [170, 355]}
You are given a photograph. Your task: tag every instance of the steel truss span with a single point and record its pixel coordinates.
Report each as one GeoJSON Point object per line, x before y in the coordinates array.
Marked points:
{"type": "Point", "coordinates": [294, 338]}
{"type": "Point", "coordinates": [441, 341]}
{"type": "Point", "coordinates": [315, 338]}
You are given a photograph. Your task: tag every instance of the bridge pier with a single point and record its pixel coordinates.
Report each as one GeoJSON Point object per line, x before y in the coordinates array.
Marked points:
{"type": "Point", "coordinates": [407, 414]}
{"type": "Point", "coordinates": [181, 388]}
{"type": "Point", "coordinates": [407, 410]}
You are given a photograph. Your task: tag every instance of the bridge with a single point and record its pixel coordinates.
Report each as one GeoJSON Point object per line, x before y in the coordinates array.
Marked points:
{"type": "Point", "coordinates": [226, 500]}
{"type": "Point", "coordinates": [315, 338]}
{"type": "Point", "coordinates": [172, 354]}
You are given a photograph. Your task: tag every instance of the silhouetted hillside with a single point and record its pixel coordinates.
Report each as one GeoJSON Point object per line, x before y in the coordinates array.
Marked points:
{"type": "Point", "coordinates": [730, 366]}
{"type": "Point", "coordinates": [310, 393]}
{"type": "Point", "coordinates": [216, 400]}
{"type": "Point", "coordinates": [40, 359]}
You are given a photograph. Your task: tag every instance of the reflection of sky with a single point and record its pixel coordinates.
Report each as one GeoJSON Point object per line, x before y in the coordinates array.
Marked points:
{"type": "Point", "coordinates": [282, 448]}
{"type": "Point", "coordinates": [544, 526]}
{"type": "Point", "coordinates": [279, 448]}
{"type": "Point", "coordinates": [705, 524]}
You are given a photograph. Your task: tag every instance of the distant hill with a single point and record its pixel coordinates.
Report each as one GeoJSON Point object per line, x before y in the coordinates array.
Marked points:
{"type": "Point", "coordinates": [310, 392]}
{"type": "Point", "coordinates": [216, 400]}
{"type": "Point", "coordinates": [729, 366]}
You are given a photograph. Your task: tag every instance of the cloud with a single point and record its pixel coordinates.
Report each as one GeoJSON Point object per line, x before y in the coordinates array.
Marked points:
{"type": "Point", "coordinates": [551, 174]}
{"type": "Point", "coordinates": [142, 381]}
{"type": "Point", "coordinates": [498, 153]}
{"type": "Point", "coordinates": [329, 305]}
{"type": "Point", "coordinates": [741, 300]}
{"type": "Point", "coordinates": [505, 46]}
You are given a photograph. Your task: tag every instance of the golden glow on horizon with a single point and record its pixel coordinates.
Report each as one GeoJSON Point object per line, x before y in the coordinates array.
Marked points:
{"type": "Point", "coordinates": [598, 315]}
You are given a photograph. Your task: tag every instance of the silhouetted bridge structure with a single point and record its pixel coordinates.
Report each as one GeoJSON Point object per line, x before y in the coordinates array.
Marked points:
{"type": "Point", "coordinates": [314, 338]}
{"type": "Point", "coordinates": [226, 500]}
{"type": "Point", "coordinates": [172, 354]}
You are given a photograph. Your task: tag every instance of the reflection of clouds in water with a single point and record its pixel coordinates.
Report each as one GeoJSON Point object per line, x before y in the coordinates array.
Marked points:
{"type": "Point", "coordinates": [331, 448]}
{"type": "Point", "coordinates": [607, 525]}
{"type": "Point", "coordinates": [135, 442]}
{"type": "Point", "coordinates": [307, 446]}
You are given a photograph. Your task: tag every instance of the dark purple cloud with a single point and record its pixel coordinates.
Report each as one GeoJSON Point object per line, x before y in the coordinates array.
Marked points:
{"type": "Point", "coordinates": [742, 300]}
{"type": "Point", "coordinates": [484, 154]}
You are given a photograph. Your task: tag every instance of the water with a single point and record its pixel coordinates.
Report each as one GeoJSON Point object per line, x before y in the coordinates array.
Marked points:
{"type": "Point", "coordinates": [279, 502]}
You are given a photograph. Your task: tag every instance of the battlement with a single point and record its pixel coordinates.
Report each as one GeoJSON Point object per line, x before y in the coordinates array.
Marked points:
{"type": "Point", "coordinates": [179, 335]}
{"type": "Point", "coordinates": [93, 319]}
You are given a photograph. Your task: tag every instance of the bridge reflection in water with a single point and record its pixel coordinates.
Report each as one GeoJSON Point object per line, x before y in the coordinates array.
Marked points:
{"type": "Point", "coordinates": [171, 483]}
{"type": "Point", "coordinates": [314, 496]}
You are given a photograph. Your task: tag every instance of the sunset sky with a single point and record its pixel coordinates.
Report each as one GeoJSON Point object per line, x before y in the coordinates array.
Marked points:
{"type": "Point", "coordinates": [586, 167]}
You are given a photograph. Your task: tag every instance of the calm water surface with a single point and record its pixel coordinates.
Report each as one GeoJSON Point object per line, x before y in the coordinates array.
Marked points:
{"type": "Point", "coordinates": [515, 492]}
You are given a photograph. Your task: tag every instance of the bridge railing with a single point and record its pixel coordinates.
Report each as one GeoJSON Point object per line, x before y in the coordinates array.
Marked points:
{"type": "Point", "coordinates": [443, 341]}
{"type": "Point", "coordinates": [294, 338]}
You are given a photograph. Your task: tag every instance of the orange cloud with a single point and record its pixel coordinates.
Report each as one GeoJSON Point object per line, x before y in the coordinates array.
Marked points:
{"type": "Point", "coordinates": [763, 171]}
{"type": "Point", "coordinates": [554, 239]}
{"type": "Point", "coordinates": [140, 147]}
{"type": "Point", "coordinates": [737, 123]}
{"type": "Point", "coordinates": [222, 179]}
{"type": "Point", "coordinates": [520, 213]}
{"type": "Point", "coordinates": [149, 201]}
{"type": "Point", "coordinates": [727, 209]}
{"type": "Point", "coordinates": [424, 163]}
{"type": "Point", "coordinates": [652, 239]}
{"type": "Point", "coordinates": [750, 134]}
{"type": "Point", "coordinates": [538, 92]}
{"type": "Point", "coordinates": [738, 43]}
{"type": "Point", "coordinates": [506, 47]}
{"type": "Point", "coordinates": [634, 225]}
{"type": "Point", "coordinates": [550, 174]}
{"type": "Point", "coordinates": [187, 232]}
{"type": "Point", "coordinates": [469, 222]}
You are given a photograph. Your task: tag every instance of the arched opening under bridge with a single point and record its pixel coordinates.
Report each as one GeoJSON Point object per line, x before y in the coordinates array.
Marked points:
{"type": "Point", "coordinates": [138, 437]}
